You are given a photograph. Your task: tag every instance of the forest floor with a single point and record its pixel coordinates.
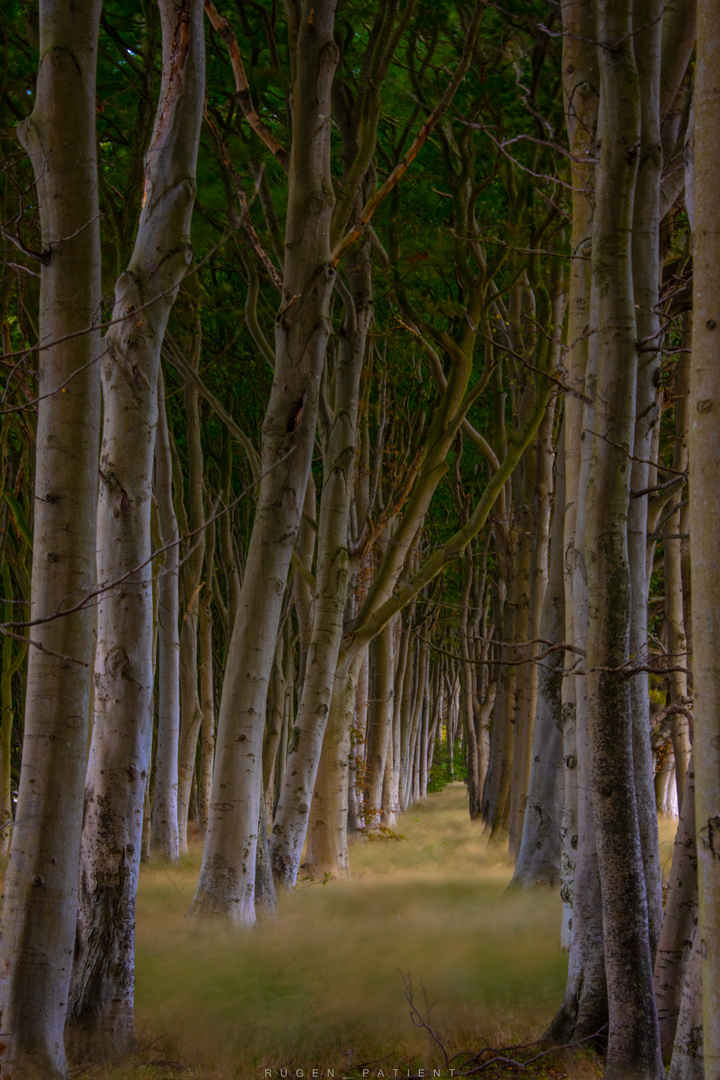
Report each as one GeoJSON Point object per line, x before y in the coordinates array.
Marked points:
{"type": "Point", "coordinates": [332, 982]}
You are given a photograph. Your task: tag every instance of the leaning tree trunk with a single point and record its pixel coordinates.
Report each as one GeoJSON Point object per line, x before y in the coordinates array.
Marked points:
{"type": "Point", "coordinates": [100, 1014]}
{"type": "Point", "coordinates": [705, 514]}
{"type": "Point", "coordinates": [226, 886]}
{"type": "Point", "coordinates": [39, 909]}
{"type": "Point", "coordinates": [633, 1039]}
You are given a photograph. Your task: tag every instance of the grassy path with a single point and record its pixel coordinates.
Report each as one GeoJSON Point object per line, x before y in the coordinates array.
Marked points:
{"type": "Point", "coordinates": [320, 986]}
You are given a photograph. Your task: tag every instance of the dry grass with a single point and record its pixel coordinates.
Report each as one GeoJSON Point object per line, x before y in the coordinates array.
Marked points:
{"type": "Point", "coordinates": [320, 986]}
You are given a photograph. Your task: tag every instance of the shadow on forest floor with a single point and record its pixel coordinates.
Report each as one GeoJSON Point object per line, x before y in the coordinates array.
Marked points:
{"type": "Point", "coordinates": [321, 986]}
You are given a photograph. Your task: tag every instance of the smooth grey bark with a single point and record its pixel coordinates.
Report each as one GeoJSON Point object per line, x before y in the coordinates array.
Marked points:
{"type": "Point", "coordinates": [380, 718]}
{"type": "Point", "coordinates": [38, 915]}
{"type": "Point", "coordinates": [672, 566]}
{"type": "Point", "coordinates": [679, 921]}
{"type": "Point", "coordinates": [274, 723]}
{"type": "Point", "coordinates": [580, 93]}
{"type": "Point", "coordinates": [474, 766]}
{"type": "Point", "coordinates": [407, 712]}
{"type": "Point", "coordinates": [340, 452]}
{"type": "Point", "coordinates": [191, 713]}
{"type": "Point", "coordinates": [538, 861]}
{"type": "Point", "coordinates": [524, 483]}
{"type": "Point", "coordinates": [618, 800]}
{"type": "Point", "coordinates": [646, 275]}
{"type": "Point", "coordinates": [327, 847]}
{"type": "Point", "coordinates": [100, 1013]}
{"type": "Point", "coordinates": [583, 1011]}
{"type": "Point", "coordinates": [207, 688]}
{"type": "Point", "coordinates": [688, 1058]}
{"type": "Point", "coordinates": [496, 796]}
{"type": "Point", "coordinates": [393, 777]}
{"type": "Point", "coordinates": [704, 449]}
{"type": "Point", "coordinates": [226, 887]}
{"type": "Point", "coordinates": [538, 579]}
{"type": "Point", "coordinates": [165, 841]}
{"type": "Point", "coordinates": [665, 787]}
{"type": "Point", "coordinates": [302, 589]}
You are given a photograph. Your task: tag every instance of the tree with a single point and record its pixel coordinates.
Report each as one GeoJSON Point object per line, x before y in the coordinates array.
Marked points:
{"type": "Point", "coordinates": [38, 916]}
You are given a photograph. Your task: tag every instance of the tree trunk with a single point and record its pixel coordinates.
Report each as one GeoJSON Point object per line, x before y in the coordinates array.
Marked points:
{"type": "Point", "coordinates": [705, 515]}
{"type": "Point", "coordinates": [646, 275]}
{"type": "Point", "coordinates": [340, 452]}
{"type": "Point", "coordinates": [674, 613]}
{"type": "Point", "coordinates": [207, 687]}
{"type": "Point", "coordinates": [191, 713]}
{"type": "Point", "coordinates": [226, 886]}
{"type": "Point", "coordinates": [164, 842]}
{"type": "Point", "coordinates": [539, 857]}
{"type": "Point", "coordinates": [39, 909]}
{"type": "Point", "coordinates": [100, 1015]}
{"type": "Point", "coordinates": [633, 1042]}
{"type": "Point", "coordinates": [327, 851]}
{"type": "Point", "coordinates": [380, 718]}
{"type": "Point", "coordinates": [679, 922]}
{"type": "Point", "coordinates": [688, 1057]}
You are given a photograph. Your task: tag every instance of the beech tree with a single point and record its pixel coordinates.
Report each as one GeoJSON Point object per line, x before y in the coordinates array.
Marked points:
{"type": "Point", "coordinates": [397, 419]}
{"type": "Point", "coordinates": [38, 914]}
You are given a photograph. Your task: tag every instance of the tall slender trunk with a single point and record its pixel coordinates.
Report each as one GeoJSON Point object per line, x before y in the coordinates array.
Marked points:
{"type": "Point", "coordinates": [522, 592]}
{"type": "Point", "coordinates": [380, 718]}
{"type": "Point", "coordinates": [10, 666]}
{"type": "Point", "coordinates": [467, 684]}
{"type": "Point", "coordinates": [679, 921]}
{"type": "Point", "coordinates": [539, 856]}
{"type": "Point", "coordinates": [633, 1042]}
{"type": "Point", "coordinates": [191, 713]}
{"type": "Point", "coordinates": [646, 274]}
{"type": "Point", "coordinates": [227, 877]}
{"type": "Point", "coordinates": [276, 712]}
{"type": "Point", "coordinates": [539, 554]}
{"type": "Point", "coordinates": [584, 1007]}
{"type": "Point", "coordinates": [38, 915]}
{"type": "Point", "coordinates": [100, 1014]}
{"type": "Point", "coordinates": [674, 614]}
{"type": "Point", "coordinates": [164, 842]}
{"type": "Point", "coordinates": [340, 452]}
{"type": "Point", "coordinates": [327, 850]}
{"type": "Point", "coordinates": [704, 445]}
{"type": "Point", "coordinates": [406, 714]}
{"type": "Point", "coordinates": [393, 768]}
{"type": "Point", "coordinates": [207, 687]}
{"type": "Point", "coordinates": [687, 1058]}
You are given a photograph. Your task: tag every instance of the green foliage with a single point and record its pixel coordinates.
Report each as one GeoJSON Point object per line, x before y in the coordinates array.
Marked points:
{"type": "Point", "coordinates": [440, 772]}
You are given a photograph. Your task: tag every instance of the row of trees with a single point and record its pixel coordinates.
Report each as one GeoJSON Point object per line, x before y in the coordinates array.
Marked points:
{"type": "Point", "coordinates": [440, 510]}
